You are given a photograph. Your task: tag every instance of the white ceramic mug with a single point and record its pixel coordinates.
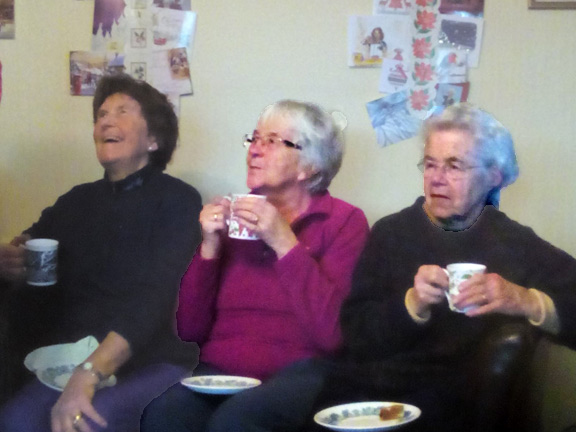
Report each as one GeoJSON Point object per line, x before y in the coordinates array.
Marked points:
{"type": "Point", "coordinates": [41, 261]}
{"type": "Point", "coordinates": [458, 273]}
{"type": "Point", "coordinates": [236, 228]}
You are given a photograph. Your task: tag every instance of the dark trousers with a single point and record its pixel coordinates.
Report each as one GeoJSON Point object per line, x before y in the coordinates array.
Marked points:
{"type": "Point", "coordinates": [121, 405]}
{"type": "Point", "coordinates": [282, 403]}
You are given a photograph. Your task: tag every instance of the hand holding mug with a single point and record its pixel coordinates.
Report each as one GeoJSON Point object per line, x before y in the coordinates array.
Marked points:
{"type": "Point", "coordinates": [490, 293]}
{"type": "Point", "coordinates": [213, 219]}
{"type": "Point", "coordinates": [263, 220]}
{"type": "Point", "coordinates": [12, 259]}
{"type": "Point", "coordinates": [430, 285]}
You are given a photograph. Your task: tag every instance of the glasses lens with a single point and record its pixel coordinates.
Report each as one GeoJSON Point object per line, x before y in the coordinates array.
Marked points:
{"type": "Point", "coordinates": [248, 139]}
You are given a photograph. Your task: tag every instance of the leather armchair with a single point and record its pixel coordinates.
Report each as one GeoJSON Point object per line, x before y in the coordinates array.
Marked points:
{"type": "Point", "coordinates": [501, 375]}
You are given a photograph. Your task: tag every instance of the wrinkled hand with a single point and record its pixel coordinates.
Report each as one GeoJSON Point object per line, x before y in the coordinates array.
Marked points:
{"type": "Point", "coordinates": [12, 259]}
{"type": "Point", "coordinates": [213, 219]}
{"type": "Point", "coordinates": [492, 293]}
{"type": "Point", "coordinates": [430, 285]}
{"type": "Point", "coordinates": [263, 218]}
{"type": "Point", "coordinates": [76, 399]}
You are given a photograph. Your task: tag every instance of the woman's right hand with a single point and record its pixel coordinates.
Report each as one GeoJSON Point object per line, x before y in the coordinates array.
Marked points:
{"type": "Point", "coordinates": [430, 286]}
{"type": "Point", "coordinates": [74, 405]}
{"type": "Point", "coordinates": [213, 219]}
{"type": "Point", "coordinates": [12, 257]}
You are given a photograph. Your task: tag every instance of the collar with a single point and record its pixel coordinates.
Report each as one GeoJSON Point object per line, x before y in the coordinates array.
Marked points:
{"type": "Point", "coordinates": [487, 213]}
{"type": "Point", "coordinates": [131, 182]}
{"type": "Point", "coordinates": [320, 204]}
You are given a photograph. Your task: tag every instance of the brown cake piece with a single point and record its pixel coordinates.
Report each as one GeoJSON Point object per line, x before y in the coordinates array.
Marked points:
{"type": "Point", "coordinates": [392, 412]}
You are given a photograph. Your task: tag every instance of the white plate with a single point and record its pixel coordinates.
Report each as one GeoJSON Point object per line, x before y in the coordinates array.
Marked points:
{"type": "Point", "coordinates": [220, 384]}
{"type": "Point", "coordinates": [56, 377]}
{"type": "Point", "coordinates": [363, 416]}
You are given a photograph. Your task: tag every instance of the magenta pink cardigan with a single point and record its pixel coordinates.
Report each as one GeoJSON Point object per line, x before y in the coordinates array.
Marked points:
{"type": "Point", "coordinates": [253, 314]}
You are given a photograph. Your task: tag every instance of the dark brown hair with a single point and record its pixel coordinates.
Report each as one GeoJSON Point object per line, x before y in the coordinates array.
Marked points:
{"type": "Point", "coordinates": [156, 109]}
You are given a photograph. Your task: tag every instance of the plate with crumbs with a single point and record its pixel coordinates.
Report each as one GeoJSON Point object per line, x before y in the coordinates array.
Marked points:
{"type": "Point", "coordinates": [365, 416]}
{"type": "Point", "coordinates": [219, 384]}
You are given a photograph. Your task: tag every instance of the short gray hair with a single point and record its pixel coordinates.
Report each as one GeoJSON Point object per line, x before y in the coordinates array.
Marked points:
{"type": "Point", "coordinates": [320, 138]}
{"type": "Point", "coordinates": [492, 140]}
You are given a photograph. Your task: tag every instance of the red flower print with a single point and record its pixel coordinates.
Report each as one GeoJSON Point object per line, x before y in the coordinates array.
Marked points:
{"type": "Point", "coordinates": [421, 47]}
{"type": "Point", "coordinates": [419, 99]}
{"type": "Point", "coordinates": [423, 72]}
{"type": "Point", "coordinates": [395, 4]}
{"type": "Point", "coordinates": [425, 20]}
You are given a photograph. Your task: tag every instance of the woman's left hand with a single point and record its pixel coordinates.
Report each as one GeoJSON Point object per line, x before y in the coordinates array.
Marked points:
{"type": "Point", "coordinates": [264, 219]}
{"type": "Point", "coordinates": [75, 405]}
{"type": "Point", "coordinates": [492, 293]}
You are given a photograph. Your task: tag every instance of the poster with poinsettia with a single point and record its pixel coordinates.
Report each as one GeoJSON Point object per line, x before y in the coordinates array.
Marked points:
{"type": "Point", "coordinates": [426, 27]}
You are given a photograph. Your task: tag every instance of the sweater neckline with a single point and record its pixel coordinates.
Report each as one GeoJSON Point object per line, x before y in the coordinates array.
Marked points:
{"type": "Point", "coordinates": [133, 181]}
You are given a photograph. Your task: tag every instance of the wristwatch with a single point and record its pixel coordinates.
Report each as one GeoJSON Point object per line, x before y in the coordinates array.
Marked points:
{"type": "Point", "coordinates": [89, 367]}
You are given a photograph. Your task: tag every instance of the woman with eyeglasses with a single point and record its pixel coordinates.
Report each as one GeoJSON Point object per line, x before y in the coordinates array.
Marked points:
{"type": "Point", "coordinates": [256, 307]}
{"type": "Point", "coordinates": [402, 341]}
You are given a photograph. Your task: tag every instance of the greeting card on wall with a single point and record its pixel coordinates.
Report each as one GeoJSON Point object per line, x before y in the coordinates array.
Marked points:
{"type": "Point", "coordinates": [109, 26]}
{"type": "Point", "coordinates": [392, 120]}
{"type": "Point", "coordinates": [394, 76]}
{"type": "Point", "coordinates": [7, 27]}
{"type": "Point", "coordinates": [462, 7]}
{"type": "Point", "coordinates": [449, 94]}
{"type": "Point", "coordinates": [170, 71]}
{"type": "Point", "coordinates": [376, 37]}
{"type": "Point", "coordinates": [462, 33]}
{"type": "Point", "coordinates": [172, 28]}
{"type": "Point", "coordinates": [173, 4]}
{"type": "Point", "coordinates": [86, 69]}
{"type": "Point", "coordinates": [452, 65]}
{"type": "Point", "coordinates": [391, 6]}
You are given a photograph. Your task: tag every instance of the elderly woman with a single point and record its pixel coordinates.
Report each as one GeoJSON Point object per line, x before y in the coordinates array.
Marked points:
{"type": "Point", "coordinates": [125, 242]}
{"type": "Point", "coordinates": [256, 307]}
{"type": "Point", "coordinates": [402, 341]}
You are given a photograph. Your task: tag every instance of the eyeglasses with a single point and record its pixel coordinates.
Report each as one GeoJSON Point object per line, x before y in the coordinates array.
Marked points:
{"type": "Point", "coordinates": [453, 169]}
{"type": "Point", "coordinates": [268, 141]}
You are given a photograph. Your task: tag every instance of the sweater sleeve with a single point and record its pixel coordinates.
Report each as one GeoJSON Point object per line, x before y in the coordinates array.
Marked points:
{"type": "Point", "coordinates": [196, 305]}
{"type": "Point", "coordinates": [173, 237]}
{"type": "Point", "coordinates": [374, 318]}
{"type": "Point", "coordinates": [317, 285]}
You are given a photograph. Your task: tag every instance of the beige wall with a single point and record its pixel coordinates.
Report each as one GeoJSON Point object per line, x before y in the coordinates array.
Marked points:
{"type": "Point", "coordinates": [249, 53]}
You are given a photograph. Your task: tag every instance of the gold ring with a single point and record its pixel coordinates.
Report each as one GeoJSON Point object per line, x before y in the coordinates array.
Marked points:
{"type": "Point", "coordinates": [215, 217]}
{"type": "Point", "coordinates": [77, 418]}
